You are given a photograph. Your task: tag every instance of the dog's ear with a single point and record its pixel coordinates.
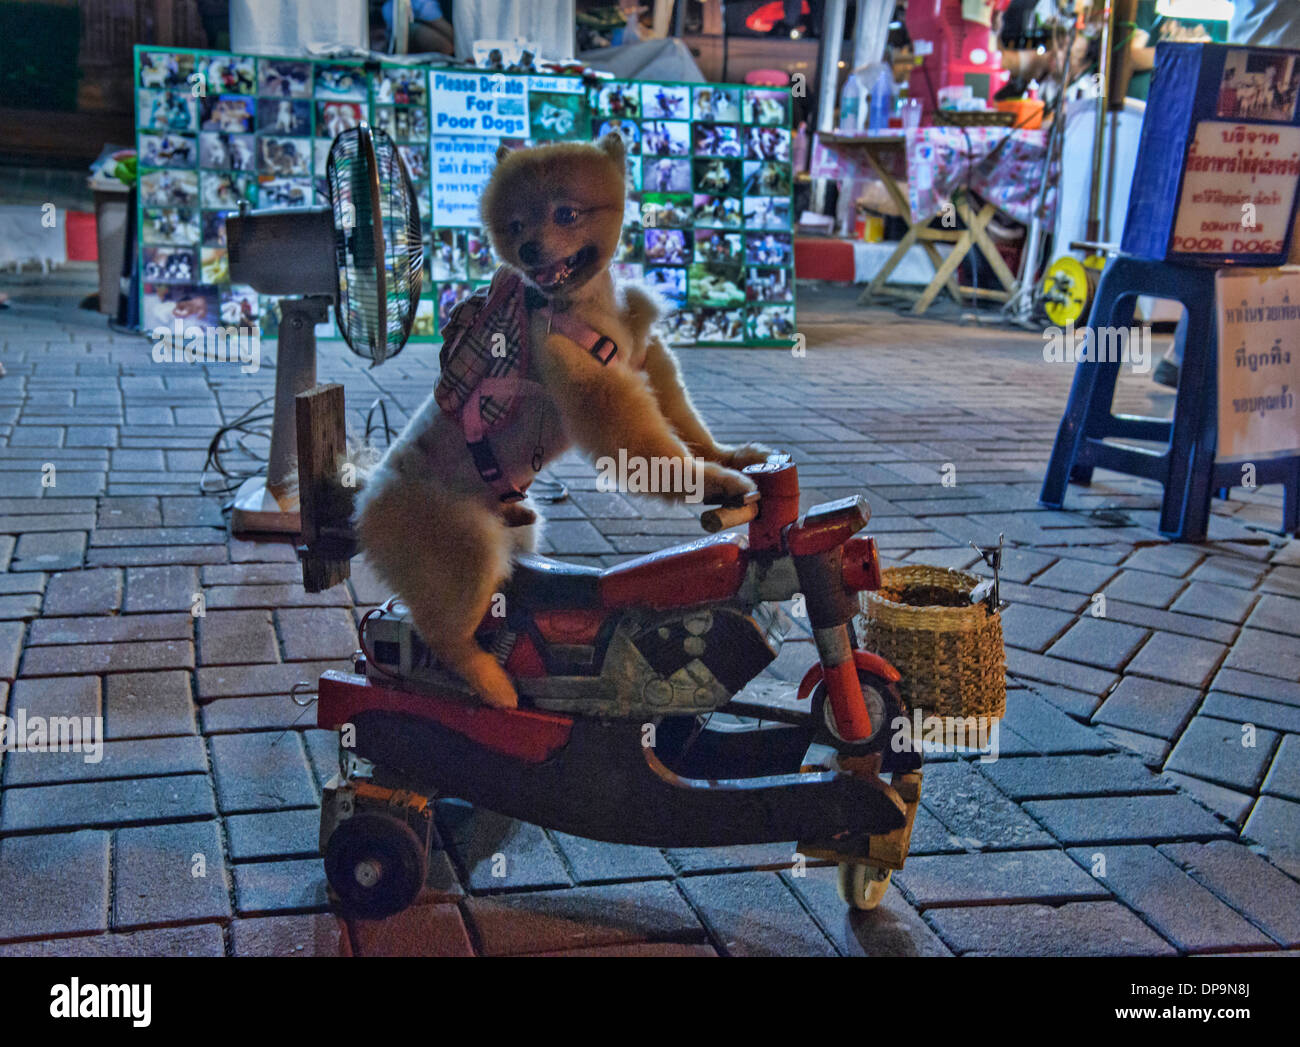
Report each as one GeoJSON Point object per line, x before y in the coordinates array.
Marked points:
{"type": "Point", "coordinates": [503, 151]}
{"type": "Point", "coordinates": [611, 144]}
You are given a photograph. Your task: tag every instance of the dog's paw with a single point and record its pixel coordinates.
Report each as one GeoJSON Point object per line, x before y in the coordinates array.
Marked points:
{"type": "Point", "coordinates": [491, 683]}
{"type": "Point", "coordinates": [747, 454]}
{"type": "Point", "coordinates": [500, 698]}
{"type": "Point", "coordinates": [722, 484]}
{"type": "Point", "coordinates": [517, 515]}
{"type": "Point", "coordinates": [486, 678]}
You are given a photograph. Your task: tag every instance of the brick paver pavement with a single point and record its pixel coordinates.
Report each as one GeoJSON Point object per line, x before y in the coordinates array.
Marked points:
{"type": "Point", "coordinates": [1147, 798]}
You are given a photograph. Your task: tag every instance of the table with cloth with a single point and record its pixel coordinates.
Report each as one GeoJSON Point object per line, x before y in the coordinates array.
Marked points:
{"type": "Point", "coordinates": [949, 171]}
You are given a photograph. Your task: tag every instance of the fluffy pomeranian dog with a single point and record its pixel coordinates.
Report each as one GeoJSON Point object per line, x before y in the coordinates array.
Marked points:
{"type": "Point", "coordinates": [433, 530]}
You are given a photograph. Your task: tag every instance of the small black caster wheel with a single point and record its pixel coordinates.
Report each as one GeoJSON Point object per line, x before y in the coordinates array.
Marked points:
{"type": "Point", "coordinates": [883, 706]}
{"type": "Point", "coordinates": [376, 865]}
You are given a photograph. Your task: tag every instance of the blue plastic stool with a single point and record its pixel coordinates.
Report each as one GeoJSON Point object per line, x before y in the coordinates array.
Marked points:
{"type": "Point", "coordinates": [1186, 465]}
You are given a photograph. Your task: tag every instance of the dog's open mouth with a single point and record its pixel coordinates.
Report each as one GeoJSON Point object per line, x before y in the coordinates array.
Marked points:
{"type": "Point", "coordinates": [558, 274]}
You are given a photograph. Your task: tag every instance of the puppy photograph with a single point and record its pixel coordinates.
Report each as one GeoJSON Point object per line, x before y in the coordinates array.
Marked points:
{"type": "Point", "coordinates": [431, 527]}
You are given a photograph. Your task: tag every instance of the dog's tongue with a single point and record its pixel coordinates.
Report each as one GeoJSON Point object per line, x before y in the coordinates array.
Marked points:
{"type": "Point", "coordinates": [551, 274]}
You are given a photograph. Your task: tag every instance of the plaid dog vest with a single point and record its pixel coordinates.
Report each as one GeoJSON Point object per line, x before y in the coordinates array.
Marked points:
{"type": "Point", "coordinates": [484, 361]}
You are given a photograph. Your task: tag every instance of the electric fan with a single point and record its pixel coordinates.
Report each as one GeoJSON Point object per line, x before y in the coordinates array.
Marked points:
{"type": "Point", "coordinates": [362, 254]}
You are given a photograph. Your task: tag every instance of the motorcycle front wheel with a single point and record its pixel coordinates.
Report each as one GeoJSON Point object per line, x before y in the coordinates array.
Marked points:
{"type": "Point", "coordinates": [884, 704]}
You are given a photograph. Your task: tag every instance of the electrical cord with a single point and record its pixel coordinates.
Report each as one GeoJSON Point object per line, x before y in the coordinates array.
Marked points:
{"type": "Point", "coordinates": [218, 478]}
{"type": "Point", "coordinates": [249, 424]}
{"type": "Point", "coordinates": [388, 430]}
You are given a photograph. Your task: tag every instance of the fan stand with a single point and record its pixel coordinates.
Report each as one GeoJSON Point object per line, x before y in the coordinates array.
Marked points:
{"type": "Point", "coordinates": [269, 504]}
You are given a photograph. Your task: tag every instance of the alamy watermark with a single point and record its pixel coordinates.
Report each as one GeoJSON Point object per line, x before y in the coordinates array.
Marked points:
{"type": "Point", "coordinates": [21, 733]}
{"type": "Point", "coordinates": [1115, 345]}
{"type": "Point", "coordinates": [933, 734]}
{"type": "Point", "coordinates": [632, 474]}
{"type": "Point", "coordinates": [72, 999]}
{"type": "Point", "coordinates": [196, 344]}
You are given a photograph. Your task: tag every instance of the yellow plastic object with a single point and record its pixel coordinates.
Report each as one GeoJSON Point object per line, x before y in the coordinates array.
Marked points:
{"type": "Point", "coordinates": [1068, 288]}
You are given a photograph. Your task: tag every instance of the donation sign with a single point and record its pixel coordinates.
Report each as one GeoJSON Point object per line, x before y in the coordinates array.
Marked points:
{"type": "Point", "coordinates": [1259, 363]}
{"type": "Point", "coordinates": [461, 168]}
{"type": "Point", "coordinates": [1214, 180]}
{"type": "Point", "coordinates": [1238, 189]}
{"type": "Point", "coordinates": [478, 103]}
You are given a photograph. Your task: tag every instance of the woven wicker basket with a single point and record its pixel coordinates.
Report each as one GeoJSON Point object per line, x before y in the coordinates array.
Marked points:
{"type": "Point", "coordinates": [949, 651]}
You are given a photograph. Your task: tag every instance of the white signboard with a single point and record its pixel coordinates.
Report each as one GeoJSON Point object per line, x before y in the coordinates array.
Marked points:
{"type": "Point", "coordinates": [475, 103]}
{"type": "Point", "coordinates": [461, 167]}
{"type": "Point", "coordinates": [1237, 189]}
{"type": "Point", "coordinates": [1259, 364]}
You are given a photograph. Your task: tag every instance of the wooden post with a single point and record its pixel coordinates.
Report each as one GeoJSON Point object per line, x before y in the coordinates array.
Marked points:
{"type": "Point", "coordinates": [712, 15]}
{"type": "Point", "coordinates": [326, 544]}
{"type": "Point", "coordinates": [663, 10]}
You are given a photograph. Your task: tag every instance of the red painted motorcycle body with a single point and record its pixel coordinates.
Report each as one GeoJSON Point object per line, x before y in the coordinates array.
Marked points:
{"type": "Point", "coordinates": [619, 673]}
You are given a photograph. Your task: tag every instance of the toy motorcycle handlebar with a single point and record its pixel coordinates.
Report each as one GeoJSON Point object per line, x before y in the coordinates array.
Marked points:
{"type": "Point", "coordinates": [743, 508]}
{"type": "Point", "coordinates": [731, 513]}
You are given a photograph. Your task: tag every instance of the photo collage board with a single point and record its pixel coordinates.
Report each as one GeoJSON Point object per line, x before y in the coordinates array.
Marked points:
{"type": "Point", "coordinates": [710, 181]}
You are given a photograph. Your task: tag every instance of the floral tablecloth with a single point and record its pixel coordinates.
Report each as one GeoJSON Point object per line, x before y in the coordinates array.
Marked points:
{"type": "Point", "coordinates": [941, 160]}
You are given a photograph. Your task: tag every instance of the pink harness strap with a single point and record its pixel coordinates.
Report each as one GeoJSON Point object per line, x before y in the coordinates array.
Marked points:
{"type": "Point", "coordinates": [471, 422]}
{"type": "Point", "coordinates": [508, 388]}
{"type": "Point", "coordinates": [602, 347]}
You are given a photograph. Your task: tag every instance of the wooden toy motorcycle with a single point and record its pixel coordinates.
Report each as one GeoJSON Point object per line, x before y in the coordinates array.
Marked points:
{"type": "Point", "coordinates": [620, 673]}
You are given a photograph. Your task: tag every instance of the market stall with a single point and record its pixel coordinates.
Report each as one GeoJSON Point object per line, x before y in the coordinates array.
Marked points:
{"type": "Point", "coordinates": [956, 126]}
{"type": "Point", "coordinates": [957, 180]}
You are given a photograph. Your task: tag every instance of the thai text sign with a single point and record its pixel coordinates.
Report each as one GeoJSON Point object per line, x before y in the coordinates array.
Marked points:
{"type": "Point", "coordinates": [1219, 157]}
{"type": "Point", "coordinates": [1238, 189]}
{"type": "Point", "coordinates": [461, 169]}
{"type": "Point", "coordinates": [1259, 363]}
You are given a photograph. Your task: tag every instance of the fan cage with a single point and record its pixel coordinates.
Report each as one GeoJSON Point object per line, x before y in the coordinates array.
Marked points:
{"type": "Point", "coordinates": [380, 266]}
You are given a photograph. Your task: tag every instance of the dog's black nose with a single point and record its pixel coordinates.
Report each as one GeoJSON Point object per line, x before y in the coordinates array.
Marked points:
{"type": "Point", "coordinates": [529, 253]}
